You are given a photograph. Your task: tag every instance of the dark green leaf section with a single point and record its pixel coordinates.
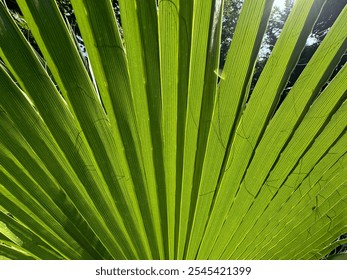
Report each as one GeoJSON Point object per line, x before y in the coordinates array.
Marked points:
{"type": "Point", "coordinates": [28, 240]}
{"type": "Point", "coordinates": [14, 252]}
{"type": "Point", "coordinates": [338, 257]}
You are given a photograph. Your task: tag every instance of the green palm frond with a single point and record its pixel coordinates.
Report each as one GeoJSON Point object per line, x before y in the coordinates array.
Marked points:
{"type": "Point", "coordinates": [151, 153]}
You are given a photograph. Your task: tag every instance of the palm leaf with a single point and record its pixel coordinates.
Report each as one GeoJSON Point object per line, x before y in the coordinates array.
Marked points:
{"type": "Point", "coordinates": [148, 152]}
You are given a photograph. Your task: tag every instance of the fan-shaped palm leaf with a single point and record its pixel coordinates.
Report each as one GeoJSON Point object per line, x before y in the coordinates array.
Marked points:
{"type": "Point", "coordinates": [150, 153]}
